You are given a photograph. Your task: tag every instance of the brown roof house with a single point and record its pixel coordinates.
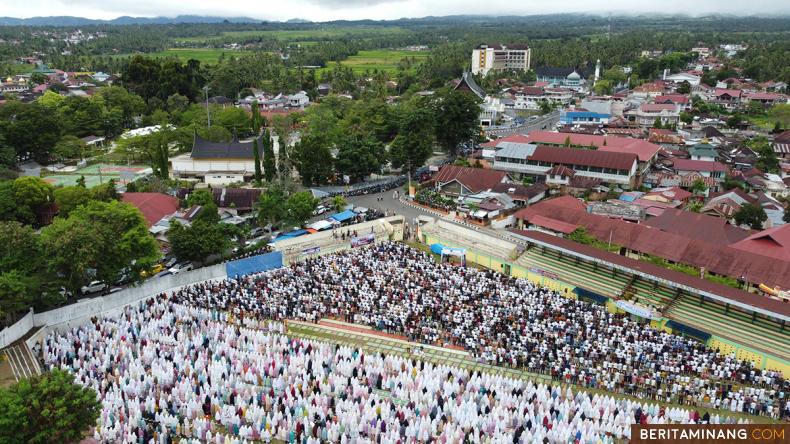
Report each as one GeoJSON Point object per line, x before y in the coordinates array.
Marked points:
{"type": "Point", "coordinates": [456, 181]}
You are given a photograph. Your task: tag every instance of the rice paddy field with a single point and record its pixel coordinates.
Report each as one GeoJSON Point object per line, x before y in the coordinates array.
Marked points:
{"type": "Point", "coordinates": [208, 56]}
{"type": "Point", "coordinates": [381, 59]}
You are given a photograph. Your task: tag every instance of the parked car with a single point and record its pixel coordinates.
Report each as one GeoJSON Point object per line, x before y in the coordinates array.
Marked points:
{"type": "Point", "coordinates": [154, 270]}
{"type": "Point", "coordinates": [320, 210]}
{"type": "Point", "coordinates": [169, 262]}
{"type": "Point", "coordinates": [255, 240]}
{"type": "Point", "coordinates": [93, 287]}
{"type": "Point", "coordinates": [183, 266]}
{"type": "Point", "coordinates": [257, 231]}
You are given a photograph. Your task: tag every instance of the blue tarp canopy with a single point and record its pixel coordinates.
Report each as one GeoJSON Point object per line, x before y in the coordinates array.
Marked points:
{"type": "Point", "coordinates": [254, 264]}
{"type": "Point", "coordinates": [290, 235]}
{"type": "Point", "coordinates": [437, 248]}
{"type": "Point", "coordinates": [344, 216]}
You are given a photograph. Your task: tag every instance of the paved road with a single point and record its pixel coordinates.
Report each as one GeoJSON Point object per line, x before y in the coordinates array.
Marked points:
{"type": "Point", "coordinates": [547, 122]}
{"type": "Point", "coordinates": [387, 202]}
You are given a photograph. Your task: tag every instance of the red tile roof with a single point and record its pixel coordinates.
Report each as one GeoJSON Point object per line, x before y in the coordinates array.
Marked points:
{"type": "Point", "coordinates": [658, 107]}
{"type": "Point", "coordinates": [697, 165]}
{"type": "Point", "coordinates": [553, 224]}
{"type": "Point", "coordinates": [154, 206]}
{"type": "Point", "coordinates": [672, 98]}
{"type": "Point", "coordinates": [474, 179]}
{"type": "Point", "coordinates": [731, 92]}
{"type": "Point", "coordinates": [773, 242]}
{"type": "Point", "coordinates": [710, 229]}
{"type": "Point", "coordinates": [716, 258]}
{"type": "Point", "coordinates": [642, 148]}
{"type": "Point", "coordinates": [733, 294]}
{"type": "Point", "coordinates": [561, 170]}
{"type": "Point", "coordinates": [567, 202]}
{"type": "Point", "coordinates": [581, 156]}
{"type": "Point", "coordinates": [514, 138]}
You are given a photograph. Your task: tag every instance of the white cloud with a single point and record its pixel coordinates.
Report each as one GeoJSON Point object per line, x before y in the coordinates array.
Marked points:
{"type": "Point", "coordinates": [323, 10]}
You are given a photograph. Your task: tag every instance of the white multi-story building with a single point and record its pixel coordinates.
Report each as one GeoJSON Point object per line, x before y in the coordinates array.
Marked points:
{"type": "Point", "coordinates": [486, 58]}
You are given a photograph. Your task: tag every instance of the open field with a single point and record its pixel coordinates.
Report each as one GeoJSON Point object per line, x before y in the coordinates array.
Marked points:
{"type": "Point", "coordinates": [374, 342]}
{"type": "Point", "coordinates": [303, 34]}
{"type": "Point", "coordinates": [203, 55]}
{"type": "Point", "coordinates": [381, 59]}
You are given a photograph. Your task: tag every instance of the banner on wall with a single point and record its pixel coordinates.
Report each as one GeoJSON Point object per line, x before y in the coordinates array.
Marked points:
{"type": "Point", "coordinates": [544, 273]}
{"type": "Point", "coordinates": [311, 250]}
{"type": "Point", "coordinates": [361, 241]}
{"type": "Point", "coordinates": [636, 309]}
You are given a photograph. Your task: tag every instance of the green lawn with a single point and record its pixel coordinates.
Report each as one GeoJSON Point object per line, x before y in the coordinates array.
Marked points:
{"type": "Point", "coordinates": [203, 55]}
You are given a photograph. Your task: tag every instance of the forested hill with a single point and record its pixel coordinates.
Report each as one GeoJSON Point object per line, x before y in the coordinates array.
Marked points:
{"type": "Point", "coordinates": [621, 21]}
{"type": "Point", "coordinates": [125, 20]}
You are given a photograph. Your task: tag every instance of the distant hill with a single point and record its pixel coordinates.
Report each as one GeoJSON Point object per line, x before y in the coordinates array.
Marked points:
{"type": "Point", "coordinates": [125, 20]}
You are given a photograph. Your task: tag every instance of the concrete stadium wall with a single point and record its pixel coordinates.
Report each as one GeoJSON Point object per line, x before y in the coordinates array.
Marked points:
{"type": "Point", "coordinates": [72, 315]}
{"type": "Point", "coordinates": [388, 228]}
{"type": "Point", "coordinates": [17, 330]}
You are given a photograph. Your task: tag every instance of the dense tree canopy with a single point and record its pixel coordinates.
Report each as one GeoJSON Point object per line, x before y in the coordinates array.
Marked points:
{"type": "Point", "coordinates": [47, 409]}
{"type": "Point", "coordinates": [99, 239]}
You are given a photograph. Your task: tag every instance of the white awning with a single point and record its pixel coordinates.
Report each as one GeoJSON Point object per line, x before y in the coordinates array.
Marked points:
{"type": "Point", "coordinates": [320, 225]}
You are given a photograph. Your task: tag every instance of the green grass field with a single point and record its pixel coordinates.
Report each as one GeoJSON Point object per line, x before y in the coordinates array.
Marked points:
{"type": "Point", "coordinates": [381, 59]}
{"type": "Point", "coordinates": [203, 55]}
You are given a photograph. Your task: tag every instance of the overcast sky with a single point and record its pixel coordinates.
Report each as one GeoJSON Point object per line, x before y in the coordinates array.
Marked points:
{"type": "Point", "coordinates": [324, 10]}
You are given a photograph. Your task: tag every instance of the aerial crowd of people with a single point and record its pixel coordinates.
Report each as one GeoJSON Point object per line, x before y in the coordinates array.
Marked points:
{"type": "Point", "coordinates": [210, 362]}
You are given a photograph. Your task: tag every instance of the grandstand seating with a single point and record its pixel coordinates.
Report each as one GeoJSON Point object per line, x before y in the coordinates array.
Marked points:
{"type": "Point", "coordinates": [710, 316]}
{"type": "Point", "coordinates": [584, 274]}
{"type": "Point", "coordinates": [765, 334]}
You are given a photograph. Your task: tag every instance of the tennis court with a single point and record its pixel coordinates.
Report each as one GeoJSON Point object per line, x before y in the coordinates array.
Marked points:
{"type": "Point", "coordinates": [105, 169]}
{"type": "Point", "coordinates": [67, 180]}
{"type": "Point", "coordinates": [98, 174]}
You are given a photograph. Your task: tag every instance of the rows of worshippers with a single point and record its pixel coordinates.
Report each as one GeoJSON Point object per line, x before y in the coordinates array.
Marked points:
{"type": "Point", "coordinates": [167, 372]}
{"type": "Point", "coordinates": [500, 320]}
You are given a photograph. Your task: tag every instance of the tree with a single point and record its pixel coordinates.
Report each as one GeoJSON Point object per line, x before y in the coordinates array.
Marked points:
{"type": "Point", "coordinates": [69, 198]}
{"type": "Point", "coordinates": [730, 182]}
{"type": "Point", "coordinates": [338, 203]}
{"type": "Point", "coordinates": [359, 157]}
{"type": "Point", "coordinates": [457, 115]}
{"type": "Point", "coordinates": [271, 206]}
{"type": "Point", "coordinates": [30, 128]}
{"type": "Point", "coordinates": [102, 237]}
{"type": "Point", "coordinates": [269, 162]}
{"type": "Point", "coordinates": [69, 147]}
{"type": "Point", "coordinates": [24, 198]}
{"type": "Point", "coordinates": [48, 408]}
{"type": "Point", "coordinates": [767, 159]}
{"type": "Point", "coordinates": [684, 87]}
{"type": "Point", "coordinates": [199, 197]}
{"type": "Point", "coordinates": [413, 144]}
{"type": "Point", "coordinates": [257, 160]}
{"type": "Point", "coordinates": [603, 87]}
{"type": "Point", "coordinates": [198, 241]}
{"type": "Point", "coordinates": [752, 215]}
{"type": "Point", "coordinates": [698, 186]}
{"type": "Point", "coordinates": [313, 159]}
{"type": "Point", "coordinates": [21, 269]}
{"type": "Point", "coordinates": [300, 207]}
